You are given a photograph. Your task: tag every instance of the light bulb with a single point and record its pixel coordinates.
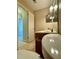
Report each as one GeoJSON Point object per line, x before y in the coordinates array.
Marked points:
{"type": "Point", "coordinates": [56, 51]}
{"type": "Point", "coordinates": [51, 8]}
{"type": "Point", "coordinates": [55, 7]}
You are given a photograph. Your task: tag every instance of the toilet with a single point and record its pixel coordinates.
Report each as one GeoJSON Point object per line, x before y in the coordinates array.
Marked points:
{"type": "Point", "coordinates": [25, 54]}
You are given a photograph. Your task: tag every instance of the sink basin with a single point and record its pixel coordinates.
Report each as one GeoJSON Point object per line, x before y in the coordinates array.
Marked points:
{"type": "Point", "coordinates": [51, 46]}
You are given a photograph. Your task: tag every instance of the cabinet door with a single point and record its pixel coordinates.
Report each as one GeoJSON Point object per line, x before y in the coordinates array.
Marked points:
{"type": "Point", "coordinates": [31, 26]}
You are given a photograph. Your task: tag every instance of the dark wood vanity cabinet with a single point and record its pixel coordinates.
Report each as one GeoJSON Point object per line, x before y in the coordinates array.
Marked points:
{"type": "Point", "coordinates": [38, 39]}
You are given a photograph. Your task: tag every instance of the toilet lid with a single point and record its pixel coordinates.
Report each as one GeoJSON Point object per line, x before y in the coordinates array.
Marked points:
{"type": "Point", "coordinates": [24, 54]}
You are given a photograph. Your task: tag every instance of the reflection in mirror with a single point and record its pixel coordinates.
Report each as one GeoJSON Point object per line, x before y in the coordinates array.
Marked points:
{"type": "Point", "coordinates": [49, 18]}
{"type": "Point", "coordinates": [53, 12]}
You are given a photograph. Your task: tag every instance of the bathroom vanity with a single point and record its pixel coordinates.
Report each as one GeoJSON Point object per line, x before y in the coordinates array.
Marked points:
{"type": "Point", "coordinates": [38, 39]}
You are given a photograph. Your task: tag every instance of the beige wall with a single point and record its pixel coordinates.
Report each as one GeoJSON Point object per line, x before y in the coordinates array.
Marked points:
{"type": "Point", "coordinates": [40, 21]}
{"type": "Point", "coordinates": [31, 26]}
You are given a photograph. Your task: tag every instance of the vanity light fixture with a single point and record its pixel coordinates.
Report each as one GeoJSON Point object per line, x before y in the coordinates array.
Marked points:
{"type": "Point", "coordinates": [52, 13]}
{"type": "Point", "coordinates": [51, 9]}
{"type": "Point", "coordinates": [56, 52]}
{"type": "Point", "coordinates": [52, 17]}
{"type": "Point", "coordinates": [55, 8]}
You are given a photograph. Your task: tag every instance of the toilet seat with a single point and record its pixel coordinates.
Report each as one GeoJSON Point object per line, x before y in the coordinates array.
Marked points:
{"type": "Point", "coordinates": [24, 54]}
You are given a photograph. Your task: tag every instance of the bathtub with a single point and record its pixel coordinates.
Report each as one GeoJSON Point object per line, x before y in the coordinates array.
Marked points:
{"type": "Point", "coordinates": [51, 46]}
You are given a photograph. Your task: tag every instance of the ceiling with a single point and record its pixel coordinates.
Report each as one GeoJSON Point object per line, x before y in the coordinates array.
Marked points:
{"type": "Point", "coordinates": [40, 4]}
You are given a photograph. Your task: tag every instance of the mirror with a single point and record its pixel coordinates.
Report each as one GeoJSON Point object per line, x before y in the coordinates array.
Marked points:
{"type": "Point", "coordinates": [52, 15]}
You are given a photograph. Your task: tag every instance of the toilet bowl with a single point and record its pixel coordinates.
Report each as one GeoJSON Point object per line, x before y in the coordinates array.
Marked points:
{"type": "Point", "coordinates": [24, 54]}
{"type": "Point", "coordinates": [51, 46]}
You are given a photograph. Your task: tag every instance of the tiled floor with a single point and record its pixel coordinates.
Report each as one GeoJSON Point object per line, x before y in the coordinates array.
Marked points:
{"type": "Point", "coordinates": [27, 46]}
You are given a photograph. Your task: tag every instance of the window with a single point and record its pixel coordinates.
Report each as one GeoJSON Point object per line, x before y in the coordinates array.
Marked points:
{"type": "Point", "coordinates": [20, 28]}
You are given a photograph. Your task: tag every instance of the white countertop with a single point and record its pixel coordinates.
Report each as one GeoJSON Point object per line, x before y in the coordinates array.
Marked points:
{"type": "Point", "coordinates": [46, 31]}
